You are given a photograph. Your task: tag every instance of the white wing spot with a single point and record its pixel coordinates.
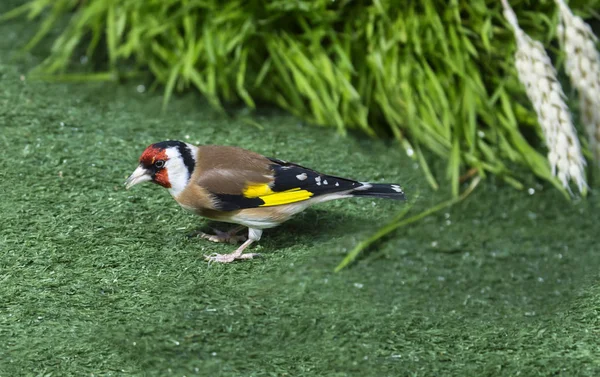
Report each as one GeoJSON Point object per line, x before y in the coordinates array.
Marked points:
{"type": "Point", "coordinates": [325, 182]}
{"type": "Point", "coordinates": [337, 183]}
{"type": "Point", "coordinates": [302, 176]}
{"type": "Point", "coordinates": [396, 188]}
{"type": "Point", "coordinates": [318, 180]}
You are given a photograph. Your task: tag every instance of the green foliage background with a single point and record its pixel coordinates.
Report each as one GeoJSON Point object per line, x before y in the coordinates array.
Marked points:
{"type": "Point", "coordinates": [437, 75]}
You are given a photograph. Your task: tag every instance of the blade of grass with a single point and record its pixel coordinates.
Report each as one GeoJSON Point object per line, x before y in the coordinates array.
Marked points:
{"type": "Point", "coordinates": [170, 85]}
{"type": "Point", "coordinates": [18, 11]}
{"type": "Point", "coordinates": [425, 166]}
{"type": "Point", "coordinates": [454, 166]}
{"type": "Point", "coordinates": [395, 224]}
{"type": "Point", "coordinates": [77, 77]}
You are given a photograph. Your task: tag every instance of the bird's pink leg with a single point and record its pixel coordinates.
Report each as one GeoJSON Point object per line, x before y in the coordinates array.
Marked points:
{"type": "Point", "coordinates": [253, 235]}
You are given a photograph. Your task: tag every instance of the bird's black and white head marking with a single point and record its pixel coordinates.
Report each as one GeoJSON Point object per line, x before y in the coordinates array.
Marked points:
{"type": "Point", "coordinates": [170, 163]}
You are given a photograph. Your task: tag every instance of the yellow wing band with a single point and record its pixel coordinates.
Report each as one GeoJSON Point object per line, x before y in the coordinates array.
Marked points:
{"type": "Point", "coordinates": [271, 198]}
{"type": "Point", "coordinates": [256, 191]}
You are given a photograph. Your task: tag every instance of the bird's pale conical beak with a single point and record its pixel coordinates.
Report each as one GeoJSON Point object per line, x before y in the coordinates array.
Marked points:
{"type": "Point", "coordinates": [139, 175]}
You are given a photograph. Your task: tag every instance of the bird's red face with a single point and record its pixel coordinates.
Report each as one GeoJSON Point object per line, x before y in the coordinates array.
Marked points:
{"type": "Point", "coordinates": [152, 167]}
{"type": "Point", "coordinates": [154, 159]}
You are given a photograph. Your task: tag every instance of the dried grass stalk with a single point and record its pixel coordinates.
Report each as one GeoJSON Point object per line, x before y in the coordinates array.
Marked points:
{"type": "Point", "coordinates": [538, 75]}
{"type": "Point", "coordinates": [583, 67]}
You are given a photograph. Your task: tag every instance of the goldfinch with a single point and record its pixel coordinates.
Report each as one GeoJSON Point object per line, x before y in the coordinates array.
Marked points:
{"type": "Point", "coordinates": [234, 185]}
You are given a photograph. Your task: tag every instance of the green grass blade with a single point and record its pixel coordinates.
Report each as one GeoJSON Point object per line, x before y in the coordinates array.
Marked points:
{"type": "Point", "coordinates": [398, 222]}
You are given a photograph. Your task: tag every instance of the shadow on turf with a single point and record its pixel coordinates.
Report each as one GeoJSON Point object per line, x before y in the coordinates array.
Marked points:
{"type": "Point", "coordinates": [303, 228]}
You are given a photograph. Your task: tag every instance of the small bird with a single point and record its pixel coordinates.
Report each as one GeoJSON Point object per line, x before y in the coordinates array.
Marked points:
{"type": "Point", "coordinates": [234, 185]}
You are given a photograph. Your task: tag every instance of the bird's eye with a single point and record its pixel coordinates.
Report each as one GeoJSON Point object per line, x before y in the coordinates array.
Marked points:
{"type": "Point", "coordinates": [159, 164]}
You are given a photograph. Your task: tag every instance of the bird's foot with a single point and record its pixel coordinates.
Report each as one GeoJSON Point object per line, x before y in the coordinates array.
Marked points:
{"type": "Point", "coordinates": [228, 258]}
{"type": "Point", "coordinates": [253, 235]}
{"type": "Point", "coordinates": [220, 236]}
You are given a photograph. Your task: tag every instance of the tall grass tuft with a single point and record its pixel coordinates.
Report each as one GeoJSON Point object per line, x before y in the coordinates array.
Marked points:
{"type": "Point", "coordinates": [436, 75]}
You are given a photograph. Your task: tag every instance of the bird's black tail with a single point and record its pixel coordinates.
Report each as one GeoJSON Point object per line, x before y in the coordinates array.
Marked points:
{"type": "Point", "coordinates": [380, 190]}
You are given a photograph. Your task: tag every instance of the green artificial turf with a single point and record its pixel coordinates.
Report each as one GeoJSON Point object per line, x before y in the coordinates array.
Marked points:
{"type": "Point", "coordinates": [96, 280]}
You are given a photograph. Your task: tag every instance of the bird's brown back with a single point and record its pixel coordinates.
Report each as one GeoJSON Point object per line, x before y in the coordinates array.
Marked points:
{"type": "Point", "coordinates": [228, 170]}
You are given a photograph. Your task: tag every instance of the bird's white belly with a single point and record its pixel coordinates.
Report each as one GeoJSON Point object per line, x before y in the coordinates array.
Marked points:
{"type": "Point", "coordinates": [253, 222]}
